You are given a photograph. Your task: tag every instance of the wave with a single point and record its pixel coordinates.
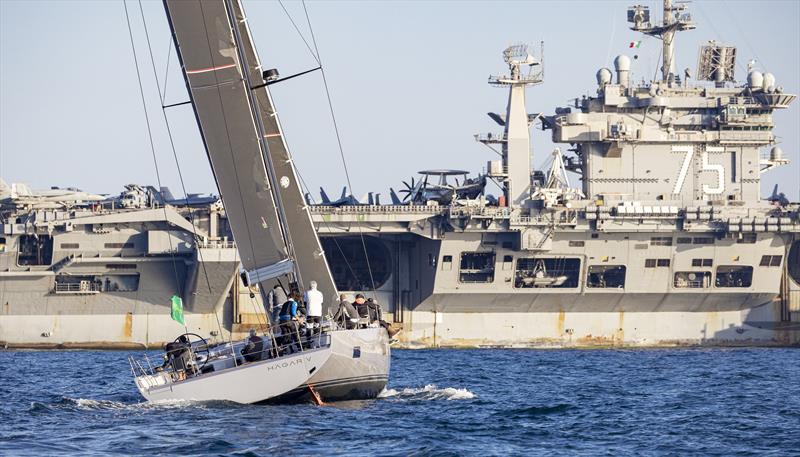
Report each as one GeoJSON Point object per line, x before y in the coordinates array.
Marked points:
{"type": "Point", "coordinates": [429, 392]}
{"type": "Point", "coordinates": [532, 411]}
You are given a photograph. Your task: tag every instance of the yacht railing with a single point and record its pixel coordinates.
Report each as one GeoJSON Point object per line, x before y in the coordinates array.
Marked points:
{"type": "Point", "coordinates": [277, 343]}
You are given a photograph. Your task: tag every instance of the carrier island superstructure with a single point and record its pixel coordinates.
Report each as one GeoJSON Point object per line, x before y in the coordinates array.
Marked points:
{"type": "Point", "coordinates": [666, 240]}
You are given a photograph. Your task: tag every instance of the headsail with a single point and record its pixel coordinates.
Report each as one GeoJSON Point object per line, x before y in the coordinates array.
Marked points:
{"type": "Point", "coordinates": [256, 179]}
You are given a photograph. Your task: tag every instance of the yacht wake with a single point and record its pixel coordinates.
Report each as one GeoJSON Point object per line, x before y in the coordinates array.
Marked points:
{"type": "Point", "coordinates": [429, 392]}
{"type": "Point", "coordinates": [88, 404]}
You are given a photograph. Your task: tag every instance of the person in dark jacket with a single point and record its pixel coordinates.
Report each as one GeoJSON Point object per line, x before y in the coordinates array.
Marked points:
{"type": "Point", "coordinates": [346, 315]}
{"type": "Point", "coordinates": [253, 350]}
{"type": "Point", "coordinates": [361, 305]}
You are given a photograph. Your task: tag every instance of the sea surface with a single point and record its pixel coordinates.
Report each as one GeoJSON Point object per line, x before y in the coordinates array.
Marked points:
{"type": "Point", "coordinates": [439, 402]}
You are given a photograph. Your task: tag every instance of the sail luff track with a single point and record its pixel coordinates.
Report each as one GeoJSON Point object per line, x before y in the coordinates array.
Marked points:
{"type": "Point", "coordinates": [214, 78]}
{"type": "Point", "coordinates": [243, 164]}
{"type": "Point", "coordinates": [308, 252]}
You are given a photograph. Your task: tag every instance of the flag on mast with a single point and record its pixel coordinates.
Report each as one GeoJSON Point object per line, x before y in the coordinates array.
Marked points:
{"type": "Point", "coordinates": [177, 309]}
{"type": "Point", "coordinates": [635, 44]}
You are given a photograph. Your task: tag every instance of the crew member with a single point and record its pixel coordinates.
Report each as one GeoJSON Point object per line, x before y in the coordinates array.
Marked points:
{"type": "Point", "coordinates": [254, 347]}
{"type": "Point", "coordinates": [313, 299]}
{"type": "Point", "coordinates": [275, 299]}
{"type": "Point", "coordinates": [361, 305]}
{"type": "Point", "coordinates": [346, 315]}
{"type": "Point", "coordinates": [289, 320]}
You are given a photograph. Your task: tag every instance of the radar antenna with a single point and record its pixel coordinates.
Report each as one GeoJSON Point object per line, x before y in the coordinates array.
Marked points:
{"type": "Point", "coordinates": [676, 19]}
{"type": "Point", "coordinates": [717, 63]}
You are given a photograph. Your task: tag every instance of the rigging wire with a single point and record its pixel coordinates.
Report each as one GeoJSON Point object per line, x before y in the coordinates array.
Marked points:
{"type": "Point", "coordinates": [162, 97]}
{"type": "Point", "coordinates": [338, 246]}
{"type": "Point", "coordinates": [302, 37]}
{"type": "Point", "coordinates": [299, 175]}
{"type": "Point", "coordinates": [152, 146]}
{"type": "Point", "coordinates": [166, 70]}
{"type": "Point", "coordinates": [172, 146]}
{"type": "Point", "coordinates": [228, 135]}
{"type": "Point", "coordinates": [338, 137]}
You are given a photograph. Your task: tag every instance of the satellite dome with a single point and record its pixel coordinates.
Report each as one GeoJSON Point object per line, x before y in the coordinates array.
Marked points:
{"type": "Point", "coordinates": [769, 80]}
{"type": "Point", "coordinates": [622, 63]}
{"type": "Point", "coordinates": [755, 79]}
{"type": "Point", "coordinates": [603, 76]}
{"type": "Point", "coordinates": [776, 154]}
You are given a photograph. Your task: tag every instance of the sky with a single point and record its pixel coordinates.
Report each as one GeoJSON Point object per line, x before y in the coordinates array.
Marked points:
{"type": "Point", "coordinates": [407, 80]}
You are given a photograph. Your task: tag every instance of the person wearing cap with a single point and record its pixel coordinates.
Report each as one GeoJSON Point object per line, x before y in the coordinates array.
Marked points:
{"type": "Point", "coordinates": [313, 299]}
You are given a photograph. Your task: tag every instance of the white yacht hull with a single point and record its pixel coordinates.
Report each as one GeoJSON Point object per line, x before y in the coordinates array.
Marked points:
{"type": "Point", "coordinates": [354, 366]}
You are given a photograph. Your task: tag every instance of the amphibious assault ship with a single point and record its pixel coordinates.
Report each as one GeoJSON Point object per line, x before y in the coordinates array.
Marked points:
{"type": "Point", "coordinates": [666, 239]}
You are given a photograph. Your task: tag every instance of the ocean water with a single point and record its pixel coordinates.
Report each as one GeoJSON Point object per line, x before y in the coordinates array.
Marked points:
{"type": "Point", "coordinates": [439, 402]}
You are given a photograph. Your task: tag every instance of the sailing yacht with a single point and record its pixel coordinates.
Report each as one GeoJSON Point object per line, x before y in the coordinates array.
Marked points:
{"type": "Point", "coordinates": [273, 230]}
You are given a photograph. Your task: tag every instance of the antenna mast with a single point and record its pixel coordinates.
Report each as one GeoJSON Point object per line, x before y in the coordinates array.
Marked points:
{"type": "Point", "coordinates": [676, 19]}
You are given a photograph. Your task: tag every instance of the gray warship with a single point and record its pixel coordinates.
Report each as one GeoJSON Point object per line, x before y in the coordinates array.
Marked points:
{"type": "Point", "coordinates": [665, 241]}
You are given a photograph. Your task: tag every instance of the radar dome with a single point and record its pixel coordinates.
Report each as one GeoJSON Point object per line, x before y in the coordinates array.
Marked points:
{"type": "Point", "coordinates": [776, 154]}
{"type": "Point", "coordinates": [769, 81]}
{"type": "Point", "coordinates": [623, 66]}
{"type": "Point", "coordinates": [755, 79]}
{"type": "Point", "coordinates": [603, 76]}
{"type": "Point", "coordinates": [622, 63]}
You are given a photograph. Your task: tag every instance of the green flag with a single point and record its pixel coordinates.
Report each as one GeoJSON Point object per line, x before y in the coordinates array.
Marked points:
{"type": "Point", "coordinates": [177, 309]}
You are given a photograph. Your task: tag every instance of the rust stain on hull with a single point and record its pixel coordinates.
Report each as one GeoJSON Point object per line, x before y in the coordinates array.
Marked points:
{"type": "Point", "coordinates": [127, 329]}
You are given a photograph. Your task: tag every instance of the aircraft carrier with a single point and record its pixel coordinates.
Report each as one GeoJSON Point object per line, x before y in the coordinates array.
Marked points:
{"type": "Point", "coordinates": [665, 240]}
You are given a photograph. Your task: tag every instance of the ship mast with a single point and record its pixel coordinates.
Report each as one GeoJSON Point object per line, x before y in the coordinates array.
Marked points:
{"type": "Point", "coordinates": [516, 139]}
{"type": "Point", "coordinates": [675, 19]}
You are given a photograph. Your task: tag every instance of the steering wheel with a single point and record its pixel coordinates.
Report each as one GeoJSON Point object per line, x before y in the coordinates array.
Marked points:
{"type": "Point", "coordinates": [204, 347]}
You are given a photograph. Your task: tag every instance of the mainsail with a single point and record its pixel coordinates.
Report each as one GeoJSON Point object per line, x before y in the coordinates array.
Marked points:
{"type": "Point", "coordinates": [256, 179]}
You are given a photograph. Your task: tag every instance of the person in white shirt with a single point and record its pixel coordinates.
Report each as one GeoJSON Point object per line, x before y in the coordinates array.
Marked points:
{"type": "Point", "coordinates": [313, 299]}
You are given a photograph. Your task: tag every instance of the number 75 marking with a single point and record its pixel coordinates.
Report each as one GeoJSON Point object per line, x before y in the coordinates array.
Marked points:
{"type": "Point", "coordinates": [687, 162]}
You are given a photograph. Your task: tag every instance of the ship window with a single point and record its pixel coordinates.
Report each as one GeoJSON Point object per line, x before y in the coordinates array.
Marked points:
{"type": "Point", "coordinates": [747, 238]}
{"type": "Point", "coordinates": [119, 246]}
{"type": "Point", "coordinates": [576, 244]}
{"type": "Point", "coordinates": [508, 260]}
{"type": "Point", "coordinates": [692, 279]}
{"type": "Point", "coordinates": [70, 246]}
{"type": "Point", "coordinates": [2, 244]}
{"type": "Point", "coordinates": [703, 240]}
{"type": "Point", "coordinates": [734, 276]}
{"type": "Point", "coordinates": [121, 266]}
{"type": "Point", "coordinates": [771, 260]}
{"type": "Point", "coordinates": [595, 235]}
{"type": "Point", "coordinates": [653, 263]}
{"type": "Point", "coordinates": [35, 250]}
{"type": "Point", "coordinates": [507, 245]}
{"type": "Point", "coordinates": [447, 263]}
{"type": "Point", "coordinates": [606, 276]}
{"type": "Point", "coordinates": [477, 267]}
{"type": "Point", "coordinates": [547, 273]}
{"type": "Point", "coordinates": [684, 240]}
{"type": "Point", "coordinates": [702, 262]}
{"type": "Point", "coordinates": [120, 283]}
{"type": "Point", "coordinates": [661, 241]}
